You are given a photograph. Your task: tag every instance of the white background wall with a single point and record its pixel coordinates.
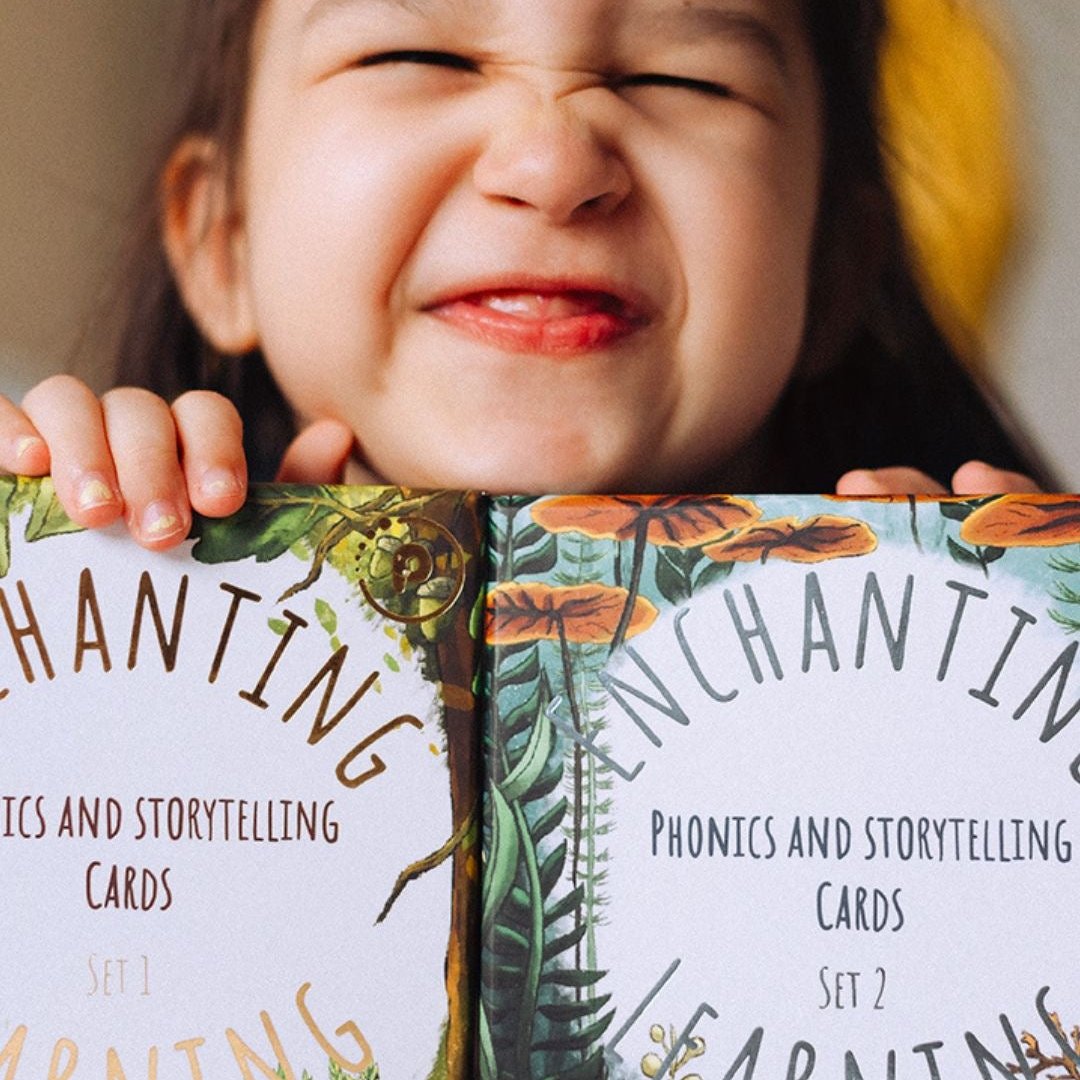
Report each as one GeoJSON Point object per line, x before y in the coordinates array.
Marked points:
{"type": "Point", "coordinates": [1036, 343]}
{"type": "Point", "coordinates": [81, 82]}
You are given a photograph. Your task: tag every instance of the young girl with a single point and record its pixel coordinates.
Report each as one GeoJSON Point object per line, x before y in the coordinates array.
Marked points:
{"type": "Point", "coordinates": [600, 246]}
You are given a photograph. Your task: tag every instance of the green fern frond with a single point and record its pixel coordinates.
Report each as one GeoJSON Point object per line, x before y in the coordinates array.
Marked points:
{"type": "Point", "coordinates": [1071, 626]}
{"type": "Point", "coordinates": [1066, 595]}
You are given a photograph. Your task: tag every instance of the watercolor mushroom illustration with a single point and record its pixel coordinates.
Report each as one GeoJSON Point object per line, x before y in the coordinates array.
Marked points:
{"type": "Point", "coordinates": [825, 536]}
{"type": "Point", "coordinates": [682, 521]}
{"type": "Point", "coordinates": [913, 502]}
{"type": "Point", "coordinates": [1024, 521]}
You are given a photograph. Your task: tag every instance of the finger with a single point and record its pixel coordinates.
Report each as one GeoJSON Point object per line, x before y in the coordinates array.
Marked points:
{"type": "Point", "coordinates": [68, 416]}
{"type": "Point", "coordinates": [211, 438]}
{"type": "Point", "coordinates": [358, 472]}
{"type": "Point", "coordinates": [142, 435]}
{"type": "Point", "coordinates": [896, 480]}
{"type": "Point", "coordinates": [318, 454]}
{"type": "Point", "coordinates": [22, 449]}
{"type": "Point", "coordinates": [978, 478]}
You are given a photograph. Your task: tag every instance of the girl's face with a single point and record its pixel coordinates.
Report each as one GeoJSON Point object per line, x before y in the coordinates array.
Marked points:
{"type": "Point", "coordinates": [532, 244]}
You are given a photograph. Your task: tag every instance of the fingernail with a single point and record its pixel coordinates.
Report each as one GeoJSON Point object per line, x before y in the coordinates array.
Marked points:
{"type": "Point", "coordinates": [221, 482]}
{"type": "Point", "coordinates": [160, 520]}
{"type": "Point", "coordinates": [95, 491]}
{"type": "Point", "coordinates": [28, 445]}
{"type": "Point", "coordinates": [863, 476]}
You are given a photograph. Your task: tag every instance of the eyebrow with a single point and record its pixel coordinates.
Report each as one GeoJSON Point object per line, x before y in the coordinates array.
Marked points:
{"type": "Point", "coordinates": [688, 23]}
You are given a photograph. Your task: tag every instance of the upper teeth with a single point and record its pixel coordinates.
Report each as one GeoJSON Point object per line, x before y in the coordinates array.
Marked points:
{"type": "Point", "coordinates": [513, 305]}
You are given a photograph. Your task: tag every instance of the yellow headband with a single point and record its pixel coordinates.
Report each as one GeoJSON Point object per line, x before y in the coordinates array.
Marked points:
{"type": "Point", "coordinates": [947, 121]}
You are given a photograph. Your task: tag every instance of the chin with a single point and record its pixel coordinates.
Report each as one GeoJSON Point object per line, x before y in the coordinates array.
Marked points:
{"type": "Point", "coordinates": [525, 474]}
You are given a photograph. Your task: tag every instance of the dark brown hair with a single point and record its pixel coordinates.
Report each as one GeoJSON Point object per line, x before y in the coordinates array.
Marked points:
{"type": "Point", "coordinates": [877, 383]}
{"type": "Point", "coordinates": [159, 346]}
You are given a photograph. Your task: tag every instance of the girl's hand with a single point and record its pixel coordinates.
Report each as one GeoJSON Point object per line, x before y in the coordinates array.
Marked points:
{"type": "Point", "coordinates": [128, 453]}
{"type": "Point", "coordinates": [972, 478]}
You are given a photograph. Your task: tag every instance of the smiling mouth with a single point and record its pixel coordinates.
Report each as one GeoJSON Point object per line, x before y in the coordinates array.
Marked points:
{"type": "Point", "coordinates": [552, 322]}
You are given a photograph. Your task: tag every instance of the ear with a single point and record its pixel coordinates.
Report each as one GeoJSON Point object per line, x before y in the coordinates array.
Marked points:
{"type": "Point", "coordinates": [206, 245]}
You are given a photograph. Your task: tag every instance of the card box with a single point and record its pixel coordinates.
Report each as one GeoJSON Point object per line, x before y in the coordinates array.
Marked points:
{"type": "Point", "coordinates": [369, 782]}
{"type": "Point", "coordinates": [782, 787]}
{"type": "Point", "coordinates": [238, 791]}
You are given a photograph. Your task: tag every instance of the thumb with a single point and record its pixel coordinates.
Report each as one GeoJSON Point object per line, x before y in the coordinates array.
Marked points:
{"type": "Point", "coordinates": [317, 455]}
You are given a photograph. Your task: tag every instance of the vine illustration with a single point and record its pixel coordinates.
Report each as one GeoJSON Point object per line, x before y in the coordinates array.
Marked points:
{"type": "Point", "coordinates": [1068, 1062]}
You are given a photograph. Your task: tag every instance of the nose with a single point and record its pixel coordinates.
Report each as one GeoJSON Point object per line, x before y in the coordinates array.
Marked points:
{"type": "Point", "coordinates": [547, 156]}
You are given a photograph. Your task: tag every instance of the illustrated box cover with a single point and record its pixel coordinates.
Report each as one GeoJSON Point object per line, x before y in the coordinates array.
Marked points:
{"type": "Point", "coordinates": [368, 782]}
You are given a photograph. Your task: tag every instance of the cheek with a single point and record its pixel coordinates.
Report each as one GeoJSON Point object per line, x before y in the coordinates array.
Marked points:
{"type": "Point", "coordinates": [335, 208]}
{"type": "Point", "coordinates": [747, 267]}
{"type": "Point", "coordinates": [745, 238]}
{"type": "Point", "coordinates": [320, 203]}
{"type": "Point", "coordinates": [740, 207]}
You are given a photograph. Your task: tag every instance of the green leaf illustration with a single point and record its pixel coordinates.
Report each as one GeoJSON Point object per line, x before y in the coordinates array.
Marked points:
{"type": "Point", "coordinates": [47, 517]}
{"type": "Point", "coordinates": [531, 766]}
{"type": "Point", "coordinates": [711, 573]}
{"type": "Point", "coordinates": [6, 491]}
{"type": "Point", "coordinates": [327, 616]}
{"type": "Point", "coordinates": [571, 977]}
{"type": "Point", "coordinates": [962, 555]}
{"type": "Point", "coordinates": [487, 1048]}
{"type": "Point", "coordinates": [540, 560]}
{"type": "Point", "coordinates": [593, 1068]}
{"type": "Point", "coordinates": [566, 1011]}
{"type": "Point", "coordinates": [502, 860]}
{"type": "Point", "coordinates": [548, 821]}
{"type": "Point", "coordinates": [672, 575]}
{"type": "Point", "coordinates": [956, 511]}
{"type": "Point", "coordinates": [525, 670]}
{"type": "Point", "coordinates": [961, 511]}
{"type": "Point", "coordinates": [580, 1040]}
{"type": "Point", "coordinates": [268, 525]}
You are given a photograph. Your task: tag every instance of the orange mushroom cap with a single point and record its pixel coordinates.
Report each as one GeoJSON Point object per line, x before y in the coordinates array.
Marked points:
{"type": "Point", "coordinates": [673, 520]}
{"type": "Point", "coordinates": [1024, 521]}
{"type": "Point", "coordinates": [825, 536]}
{"type": "Point", "coordinates": [532, 611]}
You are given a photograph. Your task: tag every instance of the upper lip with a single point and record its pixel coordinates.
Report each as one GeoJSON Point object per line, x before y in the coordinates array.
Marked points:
{"type": "Point", "coordinates": [627, 300]}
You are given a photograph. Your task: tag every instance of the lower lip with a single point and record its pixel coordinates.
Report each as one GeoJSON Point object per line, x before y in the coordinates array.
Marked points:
{"type": "Point", "coordinates": [570, 336]}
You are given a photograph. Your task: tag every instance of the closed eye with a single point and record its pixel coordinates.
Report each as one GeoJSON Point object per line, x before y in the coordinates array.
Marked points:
{"type": "Point", "coordinates": [701, 86]}
{"type": "Point", "coordinates": [430, 57]}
